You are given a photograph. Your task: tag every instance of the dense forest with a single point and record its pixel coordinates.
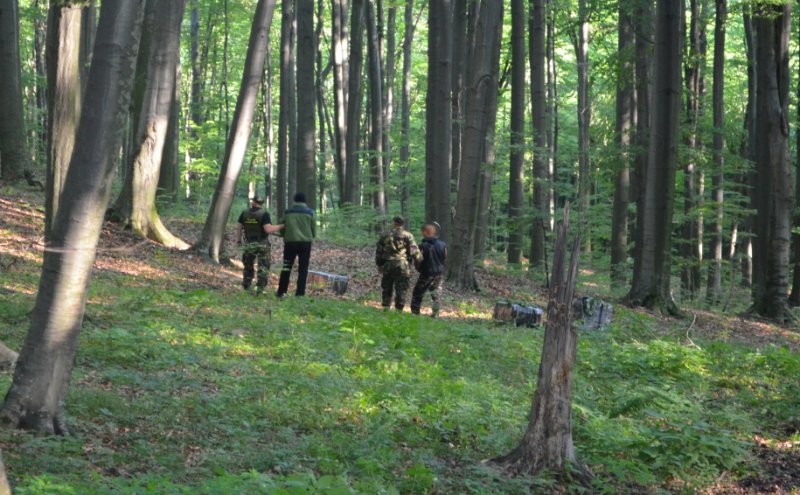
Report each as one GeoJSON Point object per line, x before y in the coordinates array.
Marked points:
{"type": "Point", "coordinates": [669, 129]}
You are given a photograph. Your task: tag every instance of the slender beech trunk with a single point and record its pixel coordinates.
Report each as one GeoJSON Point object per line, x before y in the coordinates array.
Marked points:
{"type": "Point", "coordinates": [355, 65]}
{"type": "Point", "coordinates": [169, 180]}
{"type": "Point", "coordinates": [136, 206]}
{"type": "Point", "coordinates": [651, 280]}
{"type": "Point", "coordinates": [692, 244]}
{"type": "Point", "coordinates": [88, 33]}
{"type": "Point", "coordinates": [405, 105]}
{"type": "Point", "coordinates": [285, 116]}
{"type": "Point", "coordinates": [481, 83]}
{"type": "Point", "coordinates": [584, 122]}
{"type": "Point", "coordinates": [714, 286]}
{"type": "Point", "coordinates": [13, 156]}
{"type": "Point", "coordinates": [774, 195]}
{"type": "Point", "coordinates": [63, 97]}
{"type": "Point", "coordinates": [306, 102]}
{"type": "Point", "coordinates": [536, 53]}
{"type": "Point", "coordinates": [747, 180]}
{"type": "Point", "coordinates": [625, 119]}
{"type": "Point", "coordinates": [39, 117]}
{"type": "Point", "coordinates": [376, 112]}
{"type": "Point", "coordinates": [516, 198]}
{"type": "Point", "coordinates": [794, 297]}
{"type": "Point", "coordinates": [196, 104]}
{"type": "Point", "coordinates": [485, 189]}
{"type": "Point", "coordinates": [213, 236]}
{"type": "Point", "coordinates": [339, 59]}
{"type": "Point", "coordinates": [37, 396]}
{"type": "Point", "coordinates": [551, 75]}
{"type": "Point", "coordinates": [438, 116]}
{"type": "Point", "coordinates": [389, 76]}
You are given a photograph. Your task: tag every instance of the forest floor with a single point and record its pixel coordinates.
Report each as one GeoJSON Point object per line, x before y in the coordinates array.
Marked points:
{"type": "Point", "coordinates": [186, 384]}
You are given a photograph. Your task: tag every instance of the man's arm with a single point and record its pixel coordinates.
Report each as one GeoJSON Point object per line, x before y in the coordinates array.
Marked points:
{"type": "Point", "coordinates": [272, 229]}
{"type": "Point", "coordinates": [238, 233]}
{"type": "Point", "coordinates": [313, 226]}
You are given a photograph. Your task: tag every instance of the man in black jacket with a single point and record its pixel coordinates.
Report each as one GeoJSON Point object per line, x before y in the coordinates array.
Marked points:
{"type": "Point", "coordinates": [431, 269]}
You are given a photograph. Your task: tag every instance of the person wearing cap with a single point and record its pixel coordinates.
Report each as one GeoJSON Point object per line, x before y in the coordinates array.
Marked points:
{"type": "Point", "coordinates": [431, 269]}
{"type": "Point", "coordinates": [298, 235]}
{"type": "Point", "coordinates": [252, 234]}
{"type": "Point", "coordinates": [394, 254]}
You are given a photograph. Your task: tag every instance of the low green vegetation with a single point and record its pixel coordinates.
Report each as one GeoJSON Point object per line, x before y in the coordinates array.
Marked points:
{"type": "Point", "coordinates": [181, 389]}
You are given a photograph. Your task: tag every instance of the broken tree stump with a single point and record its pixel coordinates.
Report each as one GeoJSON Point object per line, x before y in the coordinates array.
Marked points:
{"type": "Point", "coordinates": [547, 443]}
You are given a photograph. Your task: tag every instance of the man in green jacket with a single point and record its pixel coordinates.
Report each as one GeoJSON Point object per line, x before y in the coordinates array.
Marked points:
{"type": "Point", "coordinates": [300, 229]}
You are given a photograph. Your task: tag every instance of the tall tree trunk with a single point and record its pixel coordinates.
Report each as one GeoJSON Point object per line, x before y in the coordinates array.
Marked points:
{"type": "Point", "coordinates": [213, 236]}
{"type": "Point", "coordinates": [516, 194]}
{"type": "Point", "coordinates": [714, 286]}
{"type": "Point", "coordinates": [536, 53]}
{"type": "Point", "coordinates": [405, 105]}
{"type": "Point", "coordinates": [485, 190]}
{"type": "Point", "coordinates": [287, 94]}
{"type": "Point", "coordinates": [339, 59]}
{"type": "Point", "coordinates": [438, 116]}
{"type": "Point", "coordinates": [41, 114]}
{"type": "Point", "coordinates": [551, 110]}
{"type": "Point", "coordinates": [748, 151]}
{"type": "Point", "coordinates": [692, 178]}
{"type": "Point", "coordinates": [481, 85]}
{"type": "Point", "coordinates": [794, 297]}
{"type": "Point", "coordinates": [350, 194]}
{"type": "Point", "coordinates": [651, 279]}
{"type": "Point", "coordinates": [460, 54]}
{"type": "Point", "coordinates": [196, 105]}
{"type": "Point", "coordinates": [169, 180]}
{"type": "Point", "coordinates": [376, 112]}
{"type": "Point", "coordinates": [63, 97]}
{"type": "Point", "coordinates": [773, 194]}
{"type": "Point", "coordinates": [547, 443]}
{"type": "Point", "coordinates": [388, 92]}
{"type": "Point", "coordinates": [12, 124]}
{"type": "Point", "coordinates": [584, 122]}
{"type": "Point", "coordinates": [306, 101]}
{"type": "Point", "coordinates": [625, 119]}
{"type": "Point", "coordinates": [136, 206]}
{"type": "Point", "coordinates": [643, 27]}
{"type": "Point", "coordinates": [36, 398]}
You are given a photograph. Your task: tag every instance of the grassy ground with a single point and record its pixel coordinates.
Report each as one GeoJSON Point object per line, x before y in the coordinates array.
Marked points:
{"type": "Point", "coordinates": [185, 385]}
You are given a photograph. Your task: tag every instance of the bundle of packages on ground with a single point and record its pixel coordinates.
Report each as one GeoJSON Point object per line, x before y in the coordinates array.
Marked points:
{"type": "Point", "coordinates": [521, 316]}
{"type": "Point", "coordinates": [323, 280]}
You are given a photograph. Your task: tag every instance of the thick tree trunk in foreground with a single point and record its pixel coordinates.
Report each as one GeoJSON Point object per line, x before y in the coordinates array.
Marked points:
{"type": "Point", "coordinates": [516, 192]}
{"type": "Point", "coordinates": [350, 195]}
{"type": "Point", "coordinates": [541, 183]}
{"type": "Point", "coordinates": [63, 97]}
{"type": "Point", "coordinates": [306, 102]}
{"type": "Point", "coordinates": [213, 236]}
{"type": "Point", "coordinates": [12, 123]}
{"type": "Point", "coordinates": [651, 279]}
{"type": "Point", "coordinates": [714, 286]}
{"type": "Point", "coordinates": [625, 119]}
{"type": "Point", "coordinates": [136, 206]}
{"type": "Point", "coordinates": [547, 443]}
{"type": "Point", "coordinates": [38, 392]}
{"type": "Point", "coordinates": [774, 197]}
{"type": "Point", "coordinates": [438, 115]}
{"type": "Point", "coordinates": [480, 103]}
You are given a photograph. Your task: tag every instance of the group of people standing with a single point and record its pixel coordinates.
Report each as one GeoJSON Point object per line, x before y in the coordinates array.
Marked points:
{"type": "Point", "coordinates": [395, 254]}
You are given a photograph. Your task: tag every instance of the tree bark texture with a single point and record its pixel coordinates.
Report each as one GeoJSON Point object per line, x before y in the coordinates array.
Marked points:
{"type": "Point", "coordinates": [584, 123]}
{"type": "Point", "coordinates": [376, 112]}
{"type": "Point", "coordinates": [651, 281]}
{"type": "Point", "coordinates": [286, 118]}
{"type": "Point", "coordinates": [306, 102]}
{"type": "Point", "coordinates": [460, 53]}
{"type": "Point", "coordinates": [774, 195]}
{"type": "Point", "coordinates": [405, 105]}
{"type": "Point", "coordinates": [38, 392]}
{"type": "Point", "coordinates": [714, 286]}
{"type": "Point", "coordinates": [339, 59]}
{"type": "Point", "coordinates": [354, 102]}
{"type": "Point", "coordinates": [12, 124]}
{"type": "Point", "coordinates": [62, 50]}
{"type": "Point", "coordinates": [213, 236]}
{"type": "Point", "coordinates": [438, 116]}
{"type": "Point", "coordinates": [480, 100]}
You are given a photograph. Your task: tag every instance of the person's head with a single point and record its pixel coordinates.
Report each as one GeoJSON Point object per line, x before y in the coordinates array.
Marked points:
{"type": "Point", "coordinates": [430, 229]}
{"type": "Point", "coordinates": [256, 202]}
{"type": "Point", "coordinates": [398, 222]}
{"type": "Point", "coordinates": [300, 197]}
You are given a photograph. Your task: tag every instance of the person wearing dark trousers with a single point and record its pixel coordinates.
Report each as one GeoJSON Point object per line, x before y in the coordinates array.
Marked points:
{"type": "Point", "coordinates": [252, 235]}
{"type": "Point", "coordinates": [431, 269]}
{"type": "Point", "coordinates": [300, 229]}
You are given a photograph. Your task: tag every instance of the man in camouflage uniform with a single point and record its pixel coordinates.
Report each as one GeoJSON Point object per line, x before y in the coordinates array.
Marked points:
{"type": "Point", "coordinates": [394, 254]}
{"type": "Point", "coordinates": [431, 270]}
{"type": "Point", "coordinates": [252, 231]}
